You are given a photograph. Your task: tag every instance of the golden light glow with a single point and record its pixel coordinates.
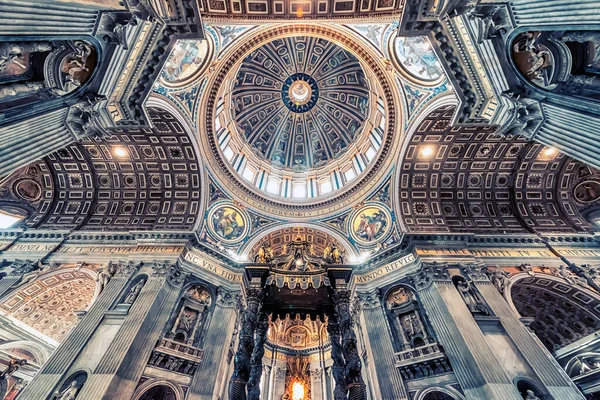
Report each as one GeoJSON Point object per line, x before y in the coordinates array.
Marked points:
{"type": "Point", "coordinates": [300, 12]}
{"type": "Point", "coordinates": [298, 391]}
{"type": "Point", "coordinates": [427, 151]}
{"type": "Point", "coordinates": [120, 152]}
{"type": "Point", "coordinates": [549, 152]}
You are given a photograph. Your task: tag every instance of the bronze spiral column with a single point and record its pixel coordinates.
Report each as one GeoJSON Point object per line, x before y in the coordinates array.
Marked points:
{"type": "Point", "coordinates": [241, 360]}
{"type": "Point", "coordinates": [256, 366]}
{"type": "Point", "coordinates": [354, 382]}
{"type": "Point", "coordinates": [339, 365]}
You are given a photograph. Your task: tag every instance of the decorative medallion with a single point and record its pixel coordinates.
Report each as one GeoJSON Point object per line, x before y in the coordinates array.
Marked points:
{"type": "Point", "coordinates": [299, 93]}
{"type": "Point", "coordinates": [28, 189]}
{"type": "Point", "coordinates": [228, 223]}
{"type": "Point", "coordinates": [301, 101]}
{"type": "Point", "coordinates": [415, 56]}
{"type": "Point", "coordinates": [187, 58]}
{"type": "Point", "coordinates": [370, 224]}
{"type": "Point", "coordinates": [587, 191]}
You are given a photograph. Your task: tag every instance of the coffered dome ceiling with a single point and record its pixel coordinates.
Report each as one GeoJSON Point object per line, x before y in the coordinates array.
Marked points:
{"type": "Point", "coordinates": [298, 118]}
{"type": "Point", "coordinates": [300, 102]}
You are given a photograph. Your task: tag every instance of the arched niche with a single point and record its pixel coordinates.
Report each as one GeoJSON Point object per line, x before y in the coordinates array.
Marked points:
{"type": "Point", "coordinates": [406, 319]}
{"type": "Point", "coordinates": [438, 393]}
{"type": "Point", "coordinates": [192, 315]}
{"type": "Point", "coordinates": [582, 364]}
{"type": "Point", "coordinates": [71, 386]}
{"type": "Point", "coordinates": [44, 70]}
{"type": "Point", "coordinates": [49, 301]}
{"type": "Point", "coordinates": [564, 62]}
{"type": "Point", "coordinates": [156, 389]}
{"type": "Point", "coordinates": [562, 311]}
{"type": "Point", "coordinates": [528, 388]}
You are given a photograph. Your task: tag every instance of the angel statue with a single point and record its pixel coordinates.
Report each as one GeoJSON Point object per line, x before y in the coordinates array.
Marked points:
{"type": "Point", "coordinates": [264, 255]}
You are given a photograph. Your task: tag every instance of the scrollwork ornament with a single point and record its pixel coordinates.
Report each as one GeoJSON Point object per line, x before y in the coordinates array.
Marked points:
{"type": "Point", "coordinates": [176, 276]}
{"type": "Point", "coordinates": [474, 272]}
{"type": "Point", "coordinates": [21, 267]}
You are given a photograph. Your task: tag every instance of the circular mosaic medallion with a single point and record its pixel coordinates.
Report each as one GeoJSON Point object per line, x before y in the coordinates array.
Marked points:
{"type": "Point", "coordinates": [415, 56]}
{"type": "Point", "coordinates": [587, 192]}
{"type": "Point", "coordinates": [299, 93]}
{"type": "Point", "coordinates": [227, 223]}
{"type": "Point", "coordinates": [28, 189]}
{"type": "Point", "coordinates": [370, 224]}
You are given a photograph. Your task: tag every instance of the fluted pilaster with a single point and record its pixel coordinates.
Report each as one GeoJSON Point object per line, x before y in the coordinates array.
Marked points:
{"type": "Point", "coordinates": [60, 361]}
{"type": "Point", "coordinates": [21, 17]}
{"type": "Point", "coordinates": [556, 12]}
{"type": "Point", "coordinates": [572, 132]}
{"type": "Point", "coordinates": [27, 141]}
{"type": "Point", "coordinates": [121, 367]}
{"type": "Point", "coordinates": [544, 365]}
{"type": "Point", "coordinates": [382, 354]}
{"type": "Point", "coordinates": [213, 367]}
{"type": "Point", "coordinates": [473, 361]}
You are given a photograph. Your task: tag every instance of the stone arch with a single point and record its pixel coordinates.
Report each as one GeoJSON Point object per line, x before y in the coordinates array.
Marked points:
{"type": "Point", "coordinates": [48, 304]}
{"type": "Point", "coordinates": [439, 393]}
{"type": "Point", "coordinates": [26, 349]}
{"type": "Point", "coordinates": [563, 311]}
{"type": "Point", "coordinates": [258, 237]}
{"type": "Point", "coordinates": [148, 386]}
{"type": "Point", "coordinates": [74, 383]}
{"type": "Point", "coordinates": [523, 385]}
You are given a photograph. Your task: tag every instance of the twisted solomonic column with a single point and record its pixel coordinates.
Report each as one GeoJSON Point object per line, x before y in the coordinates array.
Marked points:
{"type": "Point", "coordinates": [256, 367]}
{"type": "Point", "coordinates": [339, 365]}
{"type": "Point", "coordinates": [241, 360]}
{"type": "Point", "coordinates": [356, 386]}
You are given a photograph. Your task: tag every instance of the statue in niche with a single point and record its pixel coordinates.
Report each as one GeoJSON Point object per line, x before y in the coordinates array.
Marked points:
{"type": "Point", "coordinates": [134, 292]}
{"type": "Point", "coordinates": [76, 63]}
{"type": "Point", "coordinates": [474, 302]}
{"type": "Point", "coordinates": [264, 255]}
{"type": "Point", "coordinates": [533, 59]}
{"type": "Point", "coordinates": [529, 395]}
{"type": "Point", "coordinates": [187, 321]}
{"type": "Point", "coordinates": [499, 278]}
{"type": "Point", "coordinates": [70, 393]}
{"type": "Point", "coordinates": [12, 367]}
{"type": "Point", "coordinates": [587, 192]}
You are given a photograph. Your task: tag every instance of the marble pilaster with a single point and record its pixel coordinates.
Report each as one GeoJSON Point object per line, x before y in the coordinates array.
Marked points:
{"type": "Point", "coordinates": [380, 349]}
{"type": "Point", "coordinates": [213, 367]}
{"type": "Point", "coordinates": [545, 366]}
{"type": "Point", "coordinates": [51, 374]}
{"type": "Point", "coordinates": [473, 362]}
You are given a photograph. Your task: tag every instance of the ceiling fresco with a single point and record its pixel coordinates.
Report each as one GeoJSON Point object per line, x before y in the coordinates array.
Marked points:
{"type": "Point", "coordinates": [326, 129]}
{"type": "Point", "coordinates": [300, 102]}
